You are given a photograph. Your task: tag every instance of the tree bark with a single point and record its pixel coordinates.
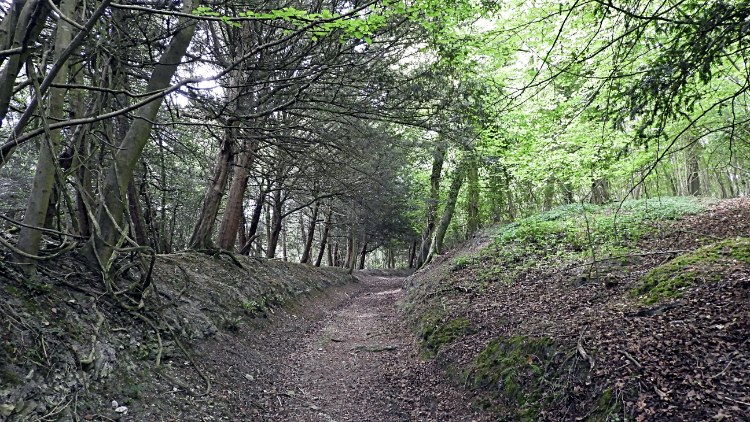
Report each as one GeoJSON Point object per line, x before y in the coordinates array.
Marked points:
{"type": "Point", "coordinates": [204, 227]}
{"type": "Point", "coordinates": [362, 254]}
{"type": "Point", "coordinates": [472, 204]}
{"type": "Point", "coordinates": [284, 255]}
{"type": "Point", "coordinates": [276, 219]}
{"type": "Point", "coordinates": [310, 234]}
{"type": "Point", "coordinates": [353, 250]}
{"type": "Point", "coordinates": [21, 26]}
{"type": "Point", "coordinates": [136, 214]}
{"type": "Point", "coordinates": [549, 194]}
{"type": "Point", "coordinates": [412, 253]}
{"type": "Point", "coordinates": [231, 218]}
{"type": "Point", "coordinates": [47, 166]}
{"type": "Point", "coordinates": [242, 231]}
{"type": "Point", "coordinates": [436, 248]}
{"type": "Point", "coordinates": [432, 206]}
{"type": "Point", "coordinates": [7, 149]}
{"type": "Point", "coordinates": [80, 153]}
{"type": "Point", "coordinates": [254, 221]}
{"type": "Point", "coordinates": [693, 180]}
{"type": "Point", "coordinates": [324, 240]}
{"type": "Point", "coordinates": [600, 191]}
{"type": "Point", "coordinates": [111, 209]}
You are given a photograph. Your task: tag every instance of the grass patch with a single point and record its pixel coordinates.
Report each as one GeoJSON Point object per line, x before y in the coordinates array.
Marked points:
{"type": "Point", "coordinates": [704, 264]}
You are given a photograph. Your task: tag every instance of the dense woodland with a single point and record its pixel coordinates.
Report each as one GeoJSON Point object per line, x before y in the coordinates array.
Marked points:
{"type": "Point", "coordinates": [353, 133]}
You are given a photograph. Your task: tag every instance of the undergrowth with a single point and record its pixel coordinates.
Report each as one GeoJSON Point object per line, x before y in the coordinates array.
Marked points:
{"type": "Point", "coordinates": [570, 233]}
{"type": "Point", "coordinates": [580, 225]}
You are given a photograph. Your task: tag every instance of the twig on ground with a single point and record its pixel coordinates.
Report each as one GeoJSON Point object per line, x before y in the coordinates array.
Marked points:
{"type": "Point", "coordinates": [630, 358]}
{"type": "Point", "coordinates": [723, 371]}
{"type": "Point", "coordinates": [373, 348]}
{"type": "Point", "coordinates": [733, 400]}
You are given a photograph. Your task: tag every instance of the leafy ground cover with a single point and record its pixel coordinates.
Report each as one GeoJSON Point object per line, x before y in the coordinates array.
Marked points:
{"type": "Point", "coordinates": [633, 311]}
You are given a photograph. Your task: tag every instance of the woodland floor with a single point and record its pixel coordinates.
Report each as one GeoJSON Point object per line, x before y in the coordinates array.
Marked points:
{"type": "Point", "coordinates": [358, 363]}
{"type": "Point", "coordinates": [361, 364]}
{"type": "Point", "coordinates": [361, 361]}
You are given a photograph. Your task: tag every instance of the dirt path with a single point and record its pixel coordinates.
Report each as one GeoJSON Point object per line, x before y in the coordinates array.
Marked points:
{"type": "Point", "coordinates": [360, 364]}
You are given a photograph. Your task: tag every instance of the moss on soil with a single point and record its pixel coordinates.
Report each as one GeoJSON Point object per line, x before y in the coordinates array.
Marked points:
{"type": "Point", "coordinates": [704, 264]}
{"type": "Point", "coordinates": [520, 376]}
{"type": "Point", "coordinates": [511, 370]}
{"type": "Point", "coordinates": [436, 331]}
{"type": "Point", "coordinates": [607, 407]}
{"type": "Point", "coordinates": [9, 378]}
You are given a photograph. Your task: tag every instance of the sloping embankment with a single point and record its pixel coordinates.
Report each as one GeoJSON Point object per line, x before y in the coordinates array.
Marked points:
{"type": "Point", "coordinates": [69, 349]}
{"type": "Point", "coordinates": [535, 331]}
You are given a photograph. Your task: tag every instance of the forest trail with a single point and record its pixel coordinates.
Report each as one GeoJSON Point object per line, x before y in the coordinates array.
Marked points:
{"type": "Point", "coordinates": [360, 363]}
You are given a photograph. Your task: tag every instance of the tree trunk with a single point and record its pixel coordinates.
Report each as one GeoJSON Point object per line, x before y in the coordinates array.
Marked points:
{"type": "Point", "coordinates": [720, 182]}
{"type": "Point", "coordinates": [21, 26]}
{"type": "Point", "coordinates": [47, 167]}
{"type": "Point", "coordinates": [432, 206]}
{"type": "Point", "coordinates": [242, 231]}
{"type": "Point", "coordinates": [362, 254]}
{"type": "Point", "coordinates": [353, 250]}
{"type": "Point", "coordinates": [254, 221]}
{"type": "Point", "coordinates": [349, 245]}
{"type": "Point", "coordinates": [276, 218]}
{"type": "Point", "coordinates": [257, 211]}
{"type": "Point", "coordinates": [204, 227]}
{"type": "Point", "coordinates": [310, 234]}
{"type": "Point", "coordinates": [136, 214]}
{"type": "Point", "coordinates": [412, 253]}
{"type": "Point", "coordinates": [472, 203]}
{"type": "Point", "coordinates": [110, 212]}
{"type": "Point", "coordinates": [53, 206]}
{"type": "Point", "coordinates": [549, 194]}
{"type": "Point", "coordinates": [436, 248]}
{"type": "Point", "coordinates": [693, 169]}
{"type": "Point", "coordinates": [284, 254]}
{"type": "Point", "coordinates": [600, 191]}
{"type": "Point", "coordinates": [567, 192]}
{"type": "Point", "coordinates": [80, 153]}
{"type": "Point", "coordinates": [324, 240]}
{"type": "Point", "coordinates": [231, 218]}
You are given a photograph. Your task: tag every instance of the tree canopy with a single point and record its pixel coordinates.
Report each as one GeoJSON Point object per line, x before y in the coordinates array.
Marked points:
{"type": "Point", "coordinates": [353, 133]}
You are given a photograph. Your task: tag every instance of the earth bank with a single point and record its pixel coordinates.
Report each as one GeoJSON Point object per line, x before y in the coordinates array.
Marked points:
{"type": "Point", "coordinates": [71, 352]}
{"type": "Point", "coordinates": [654, 329]}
